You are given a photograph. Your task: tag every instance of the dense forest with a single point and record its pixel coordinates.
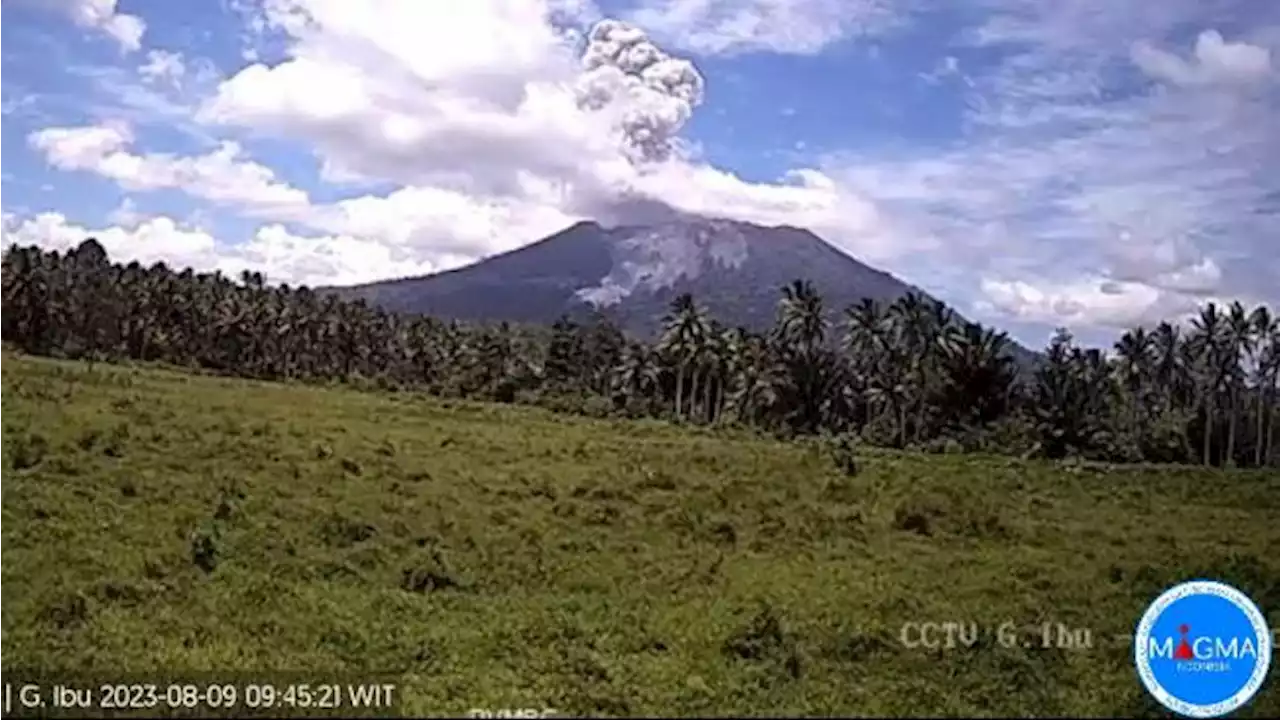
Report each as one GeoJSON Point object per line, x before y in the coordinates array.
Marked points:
{"type": "Point", "coordinates": [910, 374]}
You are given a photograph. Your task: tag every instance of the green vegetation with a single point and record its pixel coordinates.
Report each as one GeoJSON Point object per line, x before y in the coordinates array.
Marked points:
{"type": "Point", "coordinates": [497, 556]}
{"type": "Point", "coordinates": [911, 375]}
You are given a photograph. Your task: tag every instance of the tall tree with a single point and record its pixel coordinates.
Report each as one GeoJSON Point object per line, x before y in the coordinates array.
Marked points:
{"type": "Point", "coordinates": [1207, 348]}
{"type": "Point", "coordinates": [1266, 328]}
{"type": "Point", "coordinates": [685, 325]}
{"type": "Point", "coordinates": [1238, 344]}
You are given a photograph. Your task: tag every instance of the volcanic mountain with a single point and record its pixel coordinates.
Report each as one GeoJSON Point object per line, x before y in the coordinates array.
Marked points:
{"type": "Point", "coordinates": [734, 269]}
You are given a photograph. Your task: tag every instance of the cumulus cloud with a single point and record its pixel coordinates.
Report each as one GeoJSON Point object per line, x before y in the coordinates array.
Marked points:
{"type": "Point", "coordinates": [324, 260]}
{"type": "Point", "coordinates": [441, 227]}
{"type": "Point", "coordinates": [100, 15]}
{"type": "Point", "coordinates": [1171, 264]}
{"type": "Point", "coordinates": [222, 176]}
{"type": "Point", "coordinates": [547, 127]}
{"type": "Point", "coordinates": [1094, 302]}
{"type": "Point", "coordinates": [499, 125]}
{"type": "Point", "coordinates": [1214, 61]}
{"type": "Point", "coordinates": [157, 239]}
{"type": "Point", "coordinates": [1087, 201]}
{"type": "Point", "coordinates": [1081, 198]}
{"type": "Point", "coordinates": [475, 95]}
{"type": "Point", "coordinates": [1090, 302]}
{"type": "Point", "coordinates": [126, 214]}
{"type": "Point", "coordinates": [413, 229]}
{"type": "Point", "coordinates": [280, 255]}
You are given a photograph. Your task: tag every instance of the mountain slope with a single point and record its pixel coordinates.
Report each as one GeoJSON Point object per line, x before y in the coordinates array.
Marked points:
{"type": "Point", "coordinates": [535, 283]}
{"type": "Point", "coordinates": [734, 269]}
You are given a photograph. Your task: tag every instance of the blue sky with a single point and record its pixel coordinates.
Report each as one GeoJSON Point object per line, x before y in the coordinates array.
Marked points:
{"type": "Point", "coordinates": [1081, 163]}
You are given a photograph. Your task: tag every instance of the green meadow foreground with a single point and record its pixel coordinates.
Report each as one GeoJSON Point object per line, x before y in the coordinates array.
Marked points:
{"type": "Point", "coordinates": [500, 557]}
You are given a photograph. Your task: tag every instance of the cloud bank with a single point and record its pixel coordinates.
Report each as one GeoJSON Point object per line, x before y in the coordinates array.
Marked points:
{"type": "Point", "coordinates": [1111, 167]}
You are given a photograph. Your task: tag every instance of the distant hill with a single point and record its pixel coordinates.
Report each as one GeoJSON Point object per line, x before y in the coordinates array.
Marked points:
{"type": "Point", "coordinates": [732, 268]}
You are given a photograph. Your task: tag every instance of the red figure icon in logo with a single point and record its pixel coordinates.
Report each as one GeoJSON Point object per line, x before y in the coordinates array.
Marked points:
{"type": "Point", "coordinates": [1184, 648]}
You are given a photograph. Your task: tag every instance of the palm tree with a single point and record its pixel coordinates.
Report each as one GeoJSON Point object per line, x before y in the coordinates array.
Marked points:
{"type": "Point", "coordinates": [1238, 342]}
{"type": "Point", "coordinates": [636, 375]}
{"type": "Point", "coordinates": [800, 334]}
{"type": "Point", "coordinates": [912, 314]}
{"type": "Point", "coordinates": [1266, 329]}
{"type": "Point", "coordinates": [1169, 373]}
{"type": "Point", "coordinates": [1206, 347]}
{"type": "Point", "coordinates": [1135, 351]}
{"type": "Point", "coordinates": [802, 323]}
{"type": "Point", "coordinates": [755, 376]}
{"type": "Point", "coordinates": [911, 365]}
{"type": "Point", "coordinates": [865, 345]}
{"type": "Point", "coordinates": [977, 376]}
{"type": "Point", "coordinates": [717, 365]}
{"type": "Point", "coordinates": [685, 326]}
{"type": "Point", "coordinates": [1071, 396]}
{"type": "Point", "coordinates": [941, 329]}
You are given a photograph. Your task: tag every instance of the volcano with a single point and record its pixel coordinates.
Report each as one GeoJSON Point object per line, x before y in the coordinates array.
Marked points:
{"type": "Point", "coordinates": [631, 273]}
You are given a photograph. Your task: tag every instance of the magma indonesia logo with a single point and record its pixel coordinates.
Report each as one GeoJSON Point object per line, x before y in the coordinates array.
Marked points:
{"type": "Point", "coordinates": [1202, 649]}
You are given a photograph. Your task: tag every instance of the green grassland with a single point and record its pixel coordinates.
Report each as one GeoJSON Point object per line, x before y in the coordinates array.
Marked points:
{"type": "Point", "coordinates": [493, 556]}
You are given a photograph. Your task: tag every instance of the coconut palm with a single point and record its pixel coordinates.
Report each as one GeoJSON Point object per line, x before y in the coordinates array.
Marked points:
{"type": "Point", "coordinates": [910, 369]}
{"type": "Point", "coordinates": [1237, 344]}
{"type": "Point", "coordinates": [1266, 328]}
{"type": "Point", "coordinates": [684, 327]}
{"type": "Point", "coordinates": [800, 335]}
{"type": "Point", "coordinates": [1207, 348]}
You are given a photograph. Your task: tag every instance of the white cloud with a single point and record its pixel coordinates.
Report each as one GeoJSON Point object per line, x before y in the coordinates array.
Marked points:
{"type": "Point", "coordinates": [1095, 302]}
{"type": "Point", "coordinates": [99, 15]}
{"type": "Point", "coordinates": [1215, 61]}
{"type": "Point", "coordinates": [1169, 263]}
{"type": "Point", "coordinates": [441, 227]}
{"type": "Point", "coordinates": [126, 214]}
{"type": "Point", "coordinates": [273, 250]}
{"type": "Point", "coordinates": [498, 114]}
{"type": "Point", "coordinates": [167, 99]}
{"type": "Point", "coordinates": [80, 148]}
{"type": "Point", "coordinates": [1085, 200]}
{"type": "Point", "coordinates": [163, 67]}
{"type": "Point", "coordinates": [808, 198]}
{"type": "Point", "coordinates": [496, 130]}
{"type": "Point", "coordinates": [335, 259]}
{"type": "Point", "coordinates": [1080, 199]}
{"type": "Point", "coordinates": [784, 26]}
{"type": "Point", "coordinates": [157, 239]}
{"type": "Point", "coordinates": [420, 111]}
{"type": "Point", "coordinates": [1092, 302]}
{"type": "Point", "coordinates": [223, 176]}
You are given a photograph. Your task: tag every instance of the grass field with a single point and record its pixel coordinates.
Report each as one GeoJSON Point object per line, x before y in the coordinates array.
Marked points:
{"type": "Point", "coordinates": [500, 557]}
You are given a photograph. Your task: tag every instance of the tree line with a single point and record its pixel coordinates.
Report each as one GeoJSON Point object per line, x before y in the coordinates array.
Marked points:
{"type": "Point", "coordinates": [908, 374]}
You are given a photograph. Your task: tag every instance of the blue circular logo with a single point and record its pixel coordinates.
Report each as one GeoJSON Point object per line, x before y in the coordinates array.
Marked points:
{"type": "Point", "coordinates": [1202, 649]}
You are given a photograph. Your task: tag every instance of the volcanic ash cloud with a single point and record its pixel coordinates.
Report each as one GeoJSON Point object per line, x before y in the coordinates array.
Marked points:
{"type": "Point", "coordinates": [651, 94]}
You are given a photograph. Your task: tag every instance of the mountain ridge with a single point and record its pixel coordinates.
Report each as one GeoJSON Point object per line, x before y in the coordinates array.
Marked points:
{"type": "Point", "coordinates": [632, 272]}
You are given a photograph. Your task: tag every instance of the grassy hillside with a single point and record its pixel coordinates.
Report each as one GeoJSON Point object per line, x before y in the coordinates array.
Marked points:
{"type": "Point", "coordinates": [493, 556]}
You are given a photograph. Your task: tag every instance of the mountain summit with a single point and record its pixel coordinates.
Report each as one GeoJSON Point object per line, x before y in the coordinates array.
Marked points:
{"type": "Point", "coordinates": [734, 269]}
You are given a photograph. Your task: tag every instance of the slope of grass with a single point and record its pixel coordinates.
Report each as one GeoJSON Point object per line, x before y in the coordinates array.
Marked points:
{"type": "Point", "coordinates": [492, 556]}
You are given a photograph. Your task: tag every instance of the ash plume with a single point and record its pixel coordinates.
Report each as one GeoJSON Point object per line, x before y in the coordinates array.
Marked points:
{"type": "Point", "coordinates": [649, 97]}
{"type": "Point", "coordinates": [651, 94]}
{"type": "Point", "coordinates": [657, 257]}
